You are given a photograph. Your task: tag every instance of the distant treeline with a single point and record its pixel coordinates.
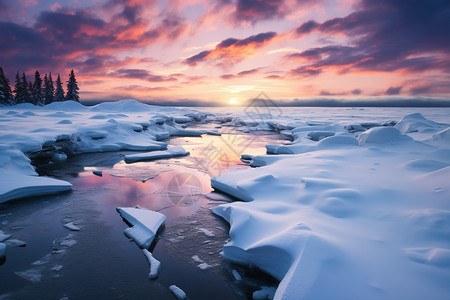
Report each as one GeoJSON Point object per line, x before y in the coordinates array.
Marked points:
{"type": "Point", "coordinates": [37, 92]}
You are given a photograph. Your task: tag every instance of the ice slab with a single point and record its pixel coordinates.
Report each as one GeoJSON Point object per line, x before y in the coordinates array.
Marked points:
{"type": "Point", "coordinates": [16, 186]}
{"type": "Point", "coordinates": [145, 224]}
{"type": "Point", "coordinates": [155, 265]}
{"type": "Point", "coordinates": [177, 292]}
{"type": "Point", "coordinates": [72, 226]}
{"type": "Point", "coordinates": [169, 153]}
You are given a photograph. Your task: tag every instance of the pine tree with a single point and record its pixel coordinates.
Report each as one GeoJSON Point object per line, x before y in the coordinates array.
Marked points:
{"type": "Point", "coordinates": [37, 95]}
{"type": "Point", "coordinates": [24, 94]}
{"type": "Point", "coordinates": [72, 88]}
{"type": "Point", "coordinates": [49, 89]}
{"type": "Point", "coordinates": [6, 96]}
{"type": "Point", "coordinates": [30, 91]}
{"type": "Point", "coordinates": [59, 93]}
{"type": "Point", "coordinates": [18, 89]}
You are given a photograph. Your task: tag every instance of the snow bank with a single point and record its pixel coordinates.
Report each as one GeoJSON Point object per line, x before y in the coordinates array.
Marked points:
{"type": "Point", "coordinates": [62, 129]}
{"type": "Point", "coordinates": [15, 186]}
{"type": "Point", "coordinates": [361, 214]}
{"type": "Point", "coordinates": [145, 224]}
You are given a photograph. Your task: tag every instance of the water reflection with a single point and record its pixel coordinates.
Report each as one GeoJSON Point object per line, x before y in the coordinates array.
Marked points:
{"type": "Point", "coordinates": [174, 193]}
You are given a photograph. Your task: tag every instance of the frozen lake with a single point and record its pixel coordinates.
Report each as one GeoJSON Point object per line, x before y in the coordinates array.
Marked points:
{"type": "Point", "coordinates": [348, 203]}
{"type": "Point", "coordinates": [103, 264]}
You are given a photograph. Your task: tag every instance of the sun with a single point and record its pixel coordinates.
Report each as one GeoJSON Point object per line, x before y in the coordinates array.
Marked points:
{"type": "Point", "coordinates": [233, 101]}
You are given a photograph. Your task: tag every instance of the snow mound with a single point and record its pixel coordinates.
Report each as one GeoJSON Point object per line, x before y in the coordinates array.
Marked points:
{"type": "Point", "coordinates": [122, 106]}
{"type": "Point", "coordinates": [432, 221]}
{"type": "Point", "coordinates": [66, 106]}
{"type": "Point", "coordinates": [382, 135]}
{"type": "Point", "coordinates": [416, 122]}
{"type": "Point", "coordinates": [318, 135]}
{"type": "Point", "coordinates": [441, 138]}
{"type": "Point", "coordinates": [145, 224]}
{"type": "Point", "coordinates": [427, 165]}
{"type": "Point", "coordinates": [15, 186]}
{"type": "Point", "coordinates": [337, 141]}
{"type": "Point", "coordinates": [437, 257]}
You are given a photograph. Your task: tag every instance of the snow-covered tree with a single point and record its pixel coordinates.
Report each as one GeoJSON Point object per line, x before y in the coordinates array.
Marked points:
{"type": "Point", "coordinates": [49, 89]}
{"type": "Point", "coordinates": [6, 96]}
{"type": "Point", "coordinates": [72, 88]}
{"type": "Point", "coordinates": [37, 95]}
{"type": "Point", "coordinates": [59, 93]}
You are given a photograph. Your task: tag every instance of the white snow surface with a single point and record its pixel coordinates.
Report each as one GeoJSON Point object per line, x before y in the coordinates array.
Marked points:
{"type": "Point", "coordinates": [361, 214]}
{"type": "Point", "coordinates": [64, 128]}
{"type": "Point", "coordinates": [145, 224]}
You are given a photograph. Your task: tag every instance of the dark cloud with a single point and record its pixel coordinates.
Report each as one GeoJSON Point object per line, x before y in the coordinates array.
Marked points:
{"type": "Point", "coordinates": [387, 36]}
{"type": "Point", "coordinates": [393, 90]}
{"type": "Point", "coordinates": [57, 37]}
{"type": "Point", "coordinates": [356, 92]}
{"type": "Point", "coordinates": [259, 10]}
{"type": "Point", "coordinates": [141, 74]}
{"type": "Point", "coordinates": [419, 90]}
{"type": "Point", "coordinates": [241, 74]}
{"type": "Point", "coordinates": [327, 93]}
{"type": "Point", "coordinates": [232, 50]}
{"type": "Point", "coordinates": [305, 71]}
{"type": "Point", "coordinates": [193, 60]}
{"type": "Point", "coordinates": [365, 102]}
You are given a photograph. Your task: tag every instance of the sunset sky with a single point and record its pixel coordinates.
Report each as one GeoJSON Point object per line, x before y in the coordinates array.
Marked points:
{"type": "Point", "coordinates": [227, 51]}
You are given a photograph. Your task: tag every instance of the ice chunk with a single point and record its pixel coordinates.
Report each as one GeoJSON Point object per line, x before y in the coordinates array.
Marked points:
{"type": "Point", "coordinates": [155, 265]}
{"type": "Point", "coordinates": [56, 268]}
{"type": "Point", "coordinates": [98, 172]}
{"type": "Point", "coordinates": [169, 153]}
{"type": "Point", "coordinates": [33, 275]}
{"type": "Point", "coordinates": [4, 236]}
{"type": "Point", "coordinates": [206, 232]}
{"type": "Point", "coordinates": [318, 135]}
{"type": "Point", "coordinates": [72, 226]}
{"type": "Point", "coordinates": [59, 157]}
{"type": "Point", "coordinates": [266, 292]}
{"type": "Point", "coordinates": [236, 275]}
{"type": "Point", "coordinates": [213, 132]}
{"type": "Point", "coordinates": [182, 119]}
{"type": "Point", "coordinates": [16, 186]}
{"type": "Point", "coordinates": [15, 243]}
{"type": "Point", "coordinates": [177, 292]}
{"type": "Point", "coordinates": [145, 224]}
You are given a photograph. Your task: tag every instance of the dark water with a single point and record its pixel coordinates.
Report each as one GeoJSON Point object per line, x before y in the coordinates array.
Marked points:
{"type": "Point", "coordinates": [99, 262]}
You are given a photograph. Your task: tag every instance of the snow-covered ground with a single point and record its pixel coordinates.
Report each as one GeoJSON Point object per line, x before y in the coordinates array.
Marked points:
{"type": "Point", "coordinates": [357, 206]}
